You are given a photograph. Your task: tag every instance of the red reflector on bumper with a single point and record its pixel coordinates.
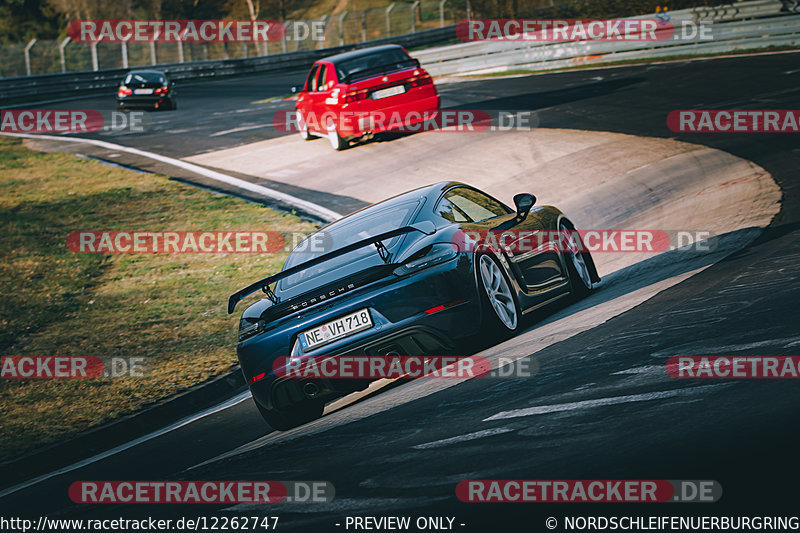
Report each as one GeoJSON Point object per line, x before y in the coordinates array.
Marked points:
{"type": "Point", "coordinates": [442, 307]}
{"type": "Point", "coordinates": [256, 378]}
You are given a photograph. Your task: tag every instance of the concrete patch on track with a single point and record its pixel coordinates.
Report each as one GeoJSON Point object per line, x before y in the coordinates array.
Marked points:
{"type": "Point", "coordinates": [600, 180]}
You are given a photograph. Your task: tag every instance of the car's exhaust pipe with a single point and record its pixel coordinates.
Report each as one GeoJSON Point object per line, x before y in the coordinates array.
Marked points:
{"type": "Point", "coordinates": [310, 389]}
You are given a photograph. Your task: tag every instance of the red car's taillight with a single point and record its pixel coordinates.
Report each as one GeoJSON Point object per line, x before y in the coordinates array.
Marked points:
{"type": "Point", "coordinates": [162, 90]}
{"type": "Point", "coordinates": [355, 96]}
{"type": "Point", "coordinates": [418, 81]}
{"type": "Point", "coordinates": [124, 91]}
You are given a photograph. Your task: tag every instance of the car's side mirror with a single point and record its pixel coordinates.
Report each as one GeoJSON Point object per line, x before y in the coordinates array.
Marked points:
{"type": "Point", "coordinates": [417, 62]}
{"type": "Point", "coordinates": [524, 202]}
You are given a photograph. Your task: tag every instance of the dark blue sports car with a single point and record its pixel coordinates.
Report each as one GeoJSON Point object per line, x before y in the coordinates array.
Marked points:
{"type": "Point", "coordinates": [408, 274]}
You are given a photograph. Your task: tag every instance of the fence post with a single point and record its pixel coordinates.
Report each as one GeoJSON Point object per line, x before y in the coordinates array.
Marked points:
{"type": "Point", "coordinates": [441, 13]}
{"type": "Point", "coordinates": [414, 7]}
{"type": "Point", "coordinates": [63, 58]}
{"type": "Point", "coordinates": [389, 20]}
{"type": "Point", "coordinates": [153, 58]}
{"type": "Point", "coordinates": [124, 47]}
{"type": "Point", "coordinates": [95, 64]}
{"type": "Point", "coordinates": [244, 47]}
{"type": "Point", "coordinates": [180, 46]}
{"type": "Point", "coordinates": [283, 39]}
{"type": "Point", "coordinates": [341, 28]}
{"type": "Point", "coordinates": [363, 25]}
{"type": "Point", "coordinates": [28, 56]}
{"type": "Point", "coordinates": [469, 11]}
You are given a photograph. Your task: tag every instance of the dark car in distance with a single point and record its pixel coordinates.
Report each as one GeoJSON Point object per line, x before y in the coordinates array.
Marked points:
{"type": "Point", "coordinates": [148, 89]}
{"type": "Point", "coordinates": [402, 266]}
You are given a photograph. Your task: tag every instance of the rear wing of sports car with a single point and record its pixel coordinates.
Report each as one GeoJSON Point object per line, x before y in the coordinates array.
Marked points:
{"type": "Point", "coordinates": [425, 227]}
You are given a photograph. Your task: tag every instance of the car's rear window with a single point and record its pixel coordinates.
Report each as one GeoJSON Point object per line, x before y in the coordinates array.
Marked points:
{"type": "Point", "coordinates": [373, 64]}
{"type": "Point", "coordinates": [349, 231]}
{"type": "Point", "coordinates": [144, 77]}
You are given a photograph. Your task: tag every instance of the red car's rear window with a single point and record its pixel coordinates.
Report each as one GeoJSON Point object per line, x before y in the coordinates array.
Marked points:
{"type": "Point", "coordinates": [373, 64]}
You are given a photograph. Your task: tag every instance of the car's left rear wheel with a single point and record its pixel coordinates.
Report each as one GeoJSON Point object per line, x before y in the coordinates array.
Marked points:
{"type": "Point", "coordinates": [336, 140]}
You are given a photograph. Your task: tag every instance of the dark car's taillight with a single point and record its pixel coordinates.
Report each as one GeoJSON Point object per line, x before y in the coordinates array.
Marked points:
{"type": "Point", "coordinates": [124, 91]}
{"type": "Point", "coordinates": [162, 90]}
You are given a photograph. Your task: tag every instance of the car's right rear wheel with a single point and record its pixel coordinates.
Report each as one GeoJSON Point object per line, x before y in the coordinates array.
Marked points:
{"type": "Point", "coordinates": [500, 310]}
{"type": "Point", "coordinates": [297, 415]}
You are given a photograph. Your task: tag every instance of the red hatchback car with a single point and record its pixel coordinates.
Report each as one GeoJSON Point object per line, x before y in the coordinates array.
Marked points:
{"type": "Point", "coordinates": [360, 93]}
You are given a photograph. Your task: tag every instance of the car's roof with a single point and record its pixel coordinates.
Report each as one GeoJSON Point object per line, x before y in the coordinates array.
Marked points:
{"type": "Point", "coordinates": [147, 71]}
{"type": "Point", "coordinates": [344, 56]}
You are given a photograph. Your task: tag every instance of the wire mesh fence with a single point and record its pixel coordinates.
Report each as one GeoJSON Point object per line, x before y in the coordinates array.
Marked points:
{"type": "Point", "coordinates": [347, 27]}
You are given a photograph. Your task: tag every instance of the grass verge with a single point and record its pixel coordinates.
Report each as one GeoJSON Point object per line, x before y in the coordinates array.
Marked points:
{"type": "Point", "coordinates": [168, 308]}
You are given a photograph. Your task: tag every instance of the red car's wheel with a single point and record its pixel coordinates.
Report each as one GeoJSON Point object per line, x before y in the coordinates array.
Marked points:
{"type": "Point", "coordinates": [336, 140]}
{"type": "Point", "coordinates": [302, 127]}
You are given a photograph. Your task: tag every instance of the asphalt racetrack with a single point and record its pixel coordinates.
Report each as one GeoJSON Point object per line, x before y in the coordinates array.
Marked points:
{"type": "Point", "coordinates": [600, 404]}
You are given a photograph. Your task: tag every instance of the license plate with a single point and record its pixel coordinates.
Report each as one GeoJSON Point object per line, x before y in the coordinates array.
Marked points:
{"type": "Point", "coordinates": [335, 330]}
{"type": "Point", "coordinates": [143, 91]}
{"type": "Point", "coordinates": [391, 91]}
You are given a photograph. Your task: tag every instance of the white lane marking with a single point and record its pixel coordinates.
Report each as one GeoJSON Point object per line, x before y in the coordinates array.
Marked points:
{"type": "Point", "coordinates": [599, 402]}
{"type": "Point", "coordinates": [122, 447]}
{"type": "Point", "coordinates": [648, 369]}
{"type": "Point", "coordinates": [242, 128]}
{"type": "Point", "coordinates": [463, 438]}
{"type": "Point", "coordinates": [323, 212]}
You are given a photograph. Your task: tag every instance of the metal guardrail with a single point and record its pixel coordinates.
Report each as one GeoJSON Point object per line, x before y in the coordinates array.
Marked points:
{"type": "Point", "coordinates": [32, 88]}
{"type": "Point", "coordinates": [740, 26]}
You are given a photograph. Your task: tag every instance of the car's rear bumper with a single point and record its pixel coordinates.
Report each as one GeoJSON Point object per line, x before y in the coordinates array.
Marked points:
{"type": "Point", "coordinates": [401, 326]}
{"type": "Point", "coordinates": [400, 117]}
{"type": "Point", "coordinates": [143, 101]}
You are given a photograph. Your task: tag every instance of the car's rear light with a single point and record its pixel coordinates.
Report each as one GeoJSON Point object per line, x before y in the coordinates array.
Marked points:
{"type": "Point", "coordinates": [355, 96]}
{"type": "Point", "coordinates": [428, 257]}
{"type": "Point", "coordinates": [418, 81]}
{"type": "Point", "coordinates": [162, 90]}
{"type": "Point", "coordinates": [124, 91]}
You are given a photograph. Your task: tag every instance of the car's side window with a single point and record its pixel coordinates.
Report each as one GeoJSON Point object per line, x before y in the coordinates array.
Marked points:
{"type": "Point", "coordinates": [471, 204]}
{"type": "Point", "coordinates": [312, 78]}
{"type": "Point", "coordinates": [450, 212]}
{"type": "Point", "coordinates": [320, 85]}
